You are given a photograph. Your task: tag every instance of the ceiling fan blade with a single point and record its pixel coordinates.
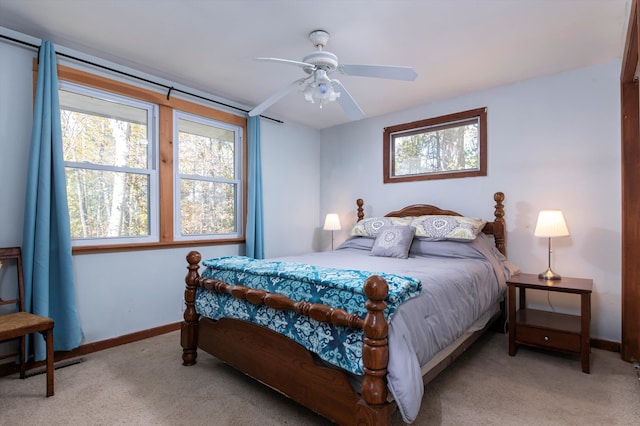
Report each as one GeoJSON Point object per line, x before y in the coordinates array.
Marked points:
{"type": "Point", "coordinates": [346, 101]}
{"type": "Point", "coordinates": [276, 97]}
{"type": "Point", "coordinates": [379, 71]}
{"type": "Point", "coordinates": [304, 65]}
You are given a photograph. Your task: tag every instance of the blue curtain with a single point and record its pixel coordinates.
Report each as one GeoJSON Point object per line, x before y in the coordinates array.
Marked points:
{"type": "Point", "coordinates": [46, 246]}
{"type": "Point", "coordinates": [255, 225]}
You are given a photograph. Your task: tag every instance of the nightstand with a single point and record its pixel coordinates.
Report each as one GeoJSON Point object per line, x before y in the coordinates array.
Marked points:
{"type": "Point", "coordinates": [550, 330]}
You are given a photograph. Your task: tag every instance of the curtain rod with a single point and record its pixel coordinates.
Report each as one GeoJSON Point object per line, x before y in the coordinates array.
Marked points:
{"type": "Point", "coordinates": [169, 88]}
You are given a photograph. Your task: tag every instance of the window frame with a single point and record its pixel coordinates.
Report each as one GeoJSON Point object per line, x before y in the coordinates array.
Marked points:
{"type": "Point", "coordinates": [164, 157]}
{"type": "Point", "coordinates": [443, 121]}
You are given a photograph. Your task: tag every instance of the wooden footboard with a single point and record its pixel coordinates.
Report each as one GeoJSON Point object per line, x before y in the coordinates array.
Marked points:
{"type": "Point", "coordinates": [287, 366]}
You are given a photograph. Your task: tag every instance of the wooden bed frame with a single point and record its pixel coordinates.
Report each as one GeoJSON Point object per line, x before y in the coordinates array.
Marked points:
{"type": "Point", "coordinates": [288, 367]}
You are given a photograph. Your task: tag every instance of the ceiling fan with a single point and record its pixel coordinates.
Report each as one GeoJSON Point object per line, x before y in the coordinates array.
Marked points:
{"type": "Point", "coordinates": [320, 87]}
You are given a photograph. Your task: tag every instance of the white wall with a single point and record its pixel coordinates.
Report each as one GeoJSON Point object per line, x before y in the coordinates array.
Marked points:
{"type": "Point", "coordinates": [121, 293]}
{"type": "Point", "coordinates": [15, 132]}
{"type": "Point", "coordinates": [290, 185]}
{"type": "Point", "coordinates": [553, 142]}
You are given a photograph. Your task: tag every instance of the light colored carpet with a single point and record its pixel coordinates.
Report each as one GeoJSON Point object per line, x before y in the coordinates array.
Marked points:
{"type": "Point", "coordinates": [144, 383]}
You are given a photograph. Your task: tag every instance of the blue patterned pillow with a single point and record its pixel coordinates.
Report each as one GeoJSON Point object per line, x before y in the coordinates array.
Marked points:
{"type": "Point", "coordinates": [393, 241]}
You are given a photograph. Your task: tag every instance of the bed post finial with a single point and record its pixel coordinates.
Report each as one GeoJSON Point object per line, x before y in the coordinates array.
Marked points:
{"type": "Point", "coordinates": [360, 203]}
{"type": "Point", "coordinates": [375, 351]}
{"type": "Point", "coordinates": [498, 197]}
{"type": "Point", "coordinates": [499, 228]}
{"type": "Point", "coordinates": [189, 329]}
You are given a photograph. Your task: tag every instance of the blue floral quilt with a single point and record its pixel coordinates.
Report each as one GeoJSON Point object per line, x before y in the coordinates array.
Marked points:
{"type": "Point", "coordinates": [339, 288]}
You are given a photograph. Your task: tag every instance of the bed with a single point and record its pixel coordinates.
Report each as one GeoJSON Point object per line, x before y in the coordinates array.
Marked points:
{"type": "Point", "coordinates": [384, 378]}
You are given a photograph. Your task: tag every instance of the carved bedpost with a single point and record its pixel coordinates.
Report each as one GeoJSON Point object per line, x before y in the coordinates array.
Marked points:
{"type": "Point", "coordinates": [499, 231]}
{"type": "Point", "coordinates": [375, 352]}
{"type": "Point", "coordinates": [360, 202]}
{"type": "Point", "coordinates": [189, 331]}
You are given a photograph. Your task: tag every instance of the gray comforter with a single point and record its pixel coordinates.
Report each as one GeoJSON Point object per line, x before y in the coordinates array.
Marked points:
{"type": "Point", "coordinates": [460, 280]}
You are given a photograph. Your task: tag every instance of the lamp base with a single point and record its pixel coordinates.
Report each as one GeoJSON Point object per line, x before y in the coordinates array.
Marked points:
{"type": "Point", "coordinates": [549, 275]}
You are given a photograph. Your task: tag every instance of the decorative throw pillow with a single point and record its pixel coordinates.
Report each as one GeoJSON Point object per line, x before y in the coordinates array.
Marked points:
{"type": "Point", "coordinates": [371, 227]}
{"type": "Point", "coordinates": [393, 241]}
{"type": "Point", "coordinates": [448, 227]}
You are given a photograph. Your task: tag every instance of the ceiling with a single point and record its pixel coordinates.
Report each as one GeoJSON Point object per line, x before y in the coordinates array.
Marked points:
{"type": "Point", "coordinates": [455, 46]}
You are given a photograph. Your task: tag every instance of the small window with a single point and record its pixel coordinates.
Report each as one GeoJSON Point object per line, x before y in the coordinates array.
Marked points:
{"type": "Point", "coordinates": [450, 146]}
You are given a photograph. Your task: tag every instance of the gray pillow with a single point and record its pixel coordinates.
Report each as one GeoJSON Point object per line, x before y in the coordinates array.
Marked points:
{"type": "Point", "coordinates": [463, 249]}
{"type": "Point", "coordinates": [393, 241]}
{"type": "Point", "coordinates": [359, 243]}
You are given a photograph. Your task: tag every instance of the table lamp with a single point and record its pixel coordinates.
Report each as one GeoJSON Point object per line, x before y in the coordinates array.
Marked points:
{"type": "Point", "coordinates": [550, 224]}
{"type": "Point", "coordinates": [332, 223]}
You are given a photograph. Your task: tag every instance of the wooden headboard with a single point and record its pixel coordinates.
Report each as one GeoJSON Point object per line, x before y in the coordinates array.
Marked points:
{"type": "Point", "coordinates": [495, 227]}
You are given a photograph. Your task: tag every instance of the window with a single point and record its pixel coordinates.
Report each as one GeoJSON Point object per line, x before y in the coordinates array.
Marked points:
{"type": "Point", "coordinates": [146, 171]}
{"type": "Point", "coordinates": [111, 170]}
{"type": "Point", "coordinates": [449, 146]}
{"type": "Point", "coordinates": [208, 177]}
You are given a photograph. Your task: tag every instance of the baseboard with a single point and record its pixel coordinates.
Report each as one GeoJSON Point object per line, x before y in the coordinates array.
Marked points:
{"type": "Point", "coordinates": [606, 345]}
{"type": "Point", "coordinates": [10, 368]}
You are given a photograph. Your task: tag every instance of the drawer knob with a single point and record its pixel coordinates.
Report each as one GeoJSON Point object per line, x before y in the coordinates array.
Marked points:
{"type": "Point", "coordinates": [546, 338]}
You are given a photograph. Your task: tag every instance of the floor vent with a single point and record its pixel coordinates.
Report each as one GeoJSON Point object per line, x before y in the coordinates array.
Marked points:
{"type": "Point", "coordinates": [56, 366]}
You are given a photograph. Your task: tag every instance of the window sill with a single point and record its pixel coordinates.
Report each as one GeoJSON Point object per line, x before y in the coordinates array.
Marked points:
{"type": "Point", "coordinates": [113, 248]}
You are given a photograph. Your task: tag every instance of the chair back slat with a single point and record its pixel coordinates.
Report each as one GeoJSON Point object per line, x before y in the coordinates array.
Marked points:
{"type": "Point", "coordinates": [15, 254]}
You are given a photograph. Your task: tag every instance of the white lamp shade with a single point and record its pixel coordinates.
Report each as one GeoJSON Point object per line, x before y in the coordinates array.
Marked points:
{"type": "Point", "coordinates": [332, 222]}
{"type": "Point", "coordinates": [551, 224]}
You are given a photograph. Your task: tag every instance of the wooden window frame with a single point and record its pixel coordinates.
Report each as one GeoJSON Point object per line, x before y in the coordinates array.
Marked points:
{"type": "Point", "coordinates": [166, 107]}
{"type": "Point", "coordinates": [441, 121]}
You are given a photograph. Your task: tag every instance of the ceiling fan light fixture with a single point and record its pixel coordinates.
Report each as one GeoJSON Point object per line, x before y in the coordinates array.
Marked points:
{"type": "Point", "coordinates": [320, 89]}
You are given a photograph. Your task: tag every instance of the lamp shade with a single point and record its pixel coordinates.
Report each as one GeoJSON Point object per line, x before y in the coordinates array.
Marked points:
{"type": "Point", "coordinates": [332, 222]}
{"type": "Point", "coordinates": [551, 224]}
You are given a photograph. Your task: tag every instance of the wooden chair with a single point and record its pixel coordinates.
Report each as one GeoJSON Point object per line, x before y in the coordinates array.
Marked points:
{"type": "Point", "coordinates": [18, 325]}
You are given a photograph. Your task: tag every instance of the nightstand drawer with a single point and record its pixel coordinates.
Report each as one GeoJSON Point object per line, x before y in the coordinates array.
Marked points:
{"type": "Point", "coordinates": [552, 339]}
